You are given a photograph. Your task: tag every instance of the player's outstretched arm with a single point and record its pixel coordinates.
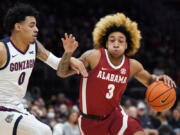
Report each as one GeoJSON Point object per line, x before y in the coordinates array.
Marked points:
{"type": "Point", "coordinates": [53, 61]}
{"type": "Point", "coordinates": [138, 71]}
{"type": "Point", "coordinates": [3, 54]}
{"type": "Point", "coordinates": [46, 56]}
{"type": "Point", "coordinates": [64, 70]}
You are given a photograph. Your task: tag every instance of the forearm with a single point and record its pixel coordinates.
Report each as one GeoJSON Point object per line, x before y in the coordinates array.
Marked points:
{"type": "Point", "coordinates": [46, 56]}
{"type": "Point", "coordinates": [142, 75]}
{"type": "Point", "coordinates": [42, 53]}
{"type": "Point", "coordinates": [152, 79]}
{"type": "Point", "coordinates": [64, 65]}
{"type": "Point", "coordinates": [145, 77]}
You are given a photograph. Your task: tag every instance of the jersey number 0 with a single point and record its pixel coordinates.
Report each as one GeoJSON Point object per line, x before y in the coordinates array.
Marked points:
{"type": "Point", "coordinates": [21, 78]}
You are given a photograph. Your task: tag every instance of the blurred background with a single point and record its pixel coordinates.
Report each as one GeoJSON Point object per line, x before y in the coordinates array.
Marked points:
{"type": "Point", "coordinates": [53, 99]}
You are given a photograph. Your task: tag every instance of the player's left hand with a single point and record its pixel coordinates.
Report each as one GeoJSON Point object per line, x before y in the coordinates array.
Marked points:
{"type": "Point", "coordinates": [69, 43]}
{"type": "Point", "coordinates": [167, 80]}
{"type": "Point", "coordinates": [79, 67]}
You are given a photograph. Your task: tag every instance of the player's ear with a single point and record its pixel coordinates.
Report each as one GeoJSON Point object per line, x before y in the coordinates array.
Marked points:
{"type": "Point", "coordinates": [17, 27]}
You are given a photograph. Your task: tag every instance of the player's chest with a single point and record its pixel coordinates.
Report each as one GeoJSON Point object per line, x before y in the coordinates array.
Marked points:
{"type": "Point", "coordinates": [107, 75]}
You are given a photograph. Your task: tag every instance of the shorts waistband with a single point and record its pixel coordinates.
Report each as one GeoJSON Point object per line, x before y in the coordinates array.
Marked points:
{"type": "Point", "coordinates": [94, 116]}
{"type": "Point", "coordinates": [2, 108]}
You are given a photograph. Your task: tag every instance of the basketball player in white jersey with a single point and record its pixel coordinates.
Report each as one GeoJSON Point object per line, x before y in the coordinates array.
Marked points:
{"type": "Point", "coordinates": [17, 57]}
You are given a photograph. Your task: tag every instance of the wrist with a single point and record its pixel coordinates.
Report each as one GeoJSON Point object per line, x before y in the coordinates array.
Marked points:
{"type": "Point", "coordinates": [52, 61]}
{"type": "Point", "coordinates": [154, 77]}
{"type": "Point", "coordinates": [68, 52]}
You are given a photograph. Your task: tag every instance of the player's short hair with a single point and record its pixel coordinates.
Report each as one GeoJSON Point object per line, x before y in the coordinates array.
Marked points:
{"type": "Point", "coordinates": [117, 22]}
{"type": "Point", "coordinates": [17, 14]}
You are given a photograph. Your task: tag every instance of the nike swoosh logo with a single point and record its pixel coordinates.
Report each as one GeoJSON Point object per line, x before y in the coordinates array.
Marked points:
{"type": "Point", "coordinates": [32, 52]}
{"type": "Point", "coordinates": [104, 68]}
{"type": "Point", "coordinates": [164, 100]}
{"type": "Point", "coordinates": [14, 55]}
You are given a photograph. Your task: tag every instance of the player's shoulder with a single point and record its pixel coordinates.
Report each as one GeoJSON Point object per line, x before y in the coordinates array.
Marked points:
{"type": "Point", "coordinates": [3, 43]}
{"type": "Point", "coordinates": [91, 53]}
{"type": "Point", "coordinates": [94, 54]}
{"type": "Point", "coordinates": [135, 63]}
{"type": "Point", "coordinates": [2, 47]}
{"type": "Point", "coordinates": [91, 57]}
{"type": "Point", "coordinates": [94, 51]}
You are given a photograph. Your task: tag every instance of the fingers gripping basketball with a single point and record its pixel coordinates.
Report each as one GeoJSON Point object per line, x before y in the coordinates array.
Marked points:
{"type": "Point", "coordinates": [160, 97]}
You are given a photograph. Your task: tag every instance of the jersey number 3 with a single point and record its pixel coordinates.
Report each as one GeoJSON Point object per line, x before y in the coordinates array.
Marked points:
{"type": "Point", "coordinates": [110, 92]}
{"type": "Point", "coordinates": [21, 78]}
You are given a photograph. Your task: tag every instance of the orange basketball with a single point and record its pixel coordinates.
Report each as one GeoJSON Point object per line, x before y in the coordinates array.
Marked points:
{"type": "Point", "coordinates": [160, 97]}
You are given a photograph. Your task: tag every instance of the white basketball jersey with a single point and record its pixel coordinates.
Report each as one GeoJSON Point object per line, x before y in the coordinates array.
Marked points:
{"type": "Point", "coordinates": [14, 75]}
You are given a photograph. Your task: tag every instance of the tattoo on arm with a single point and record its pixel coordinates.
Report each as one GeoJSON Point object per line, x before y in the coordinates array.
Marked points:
{"type": "Point", "coordinates": [42, 53]}
{"type": "Point", "coordinates": [88, 53]}
{"type": "Point", "coordinates": [84, 58]}
{"type": "Point", "coordinates": [64, 65]}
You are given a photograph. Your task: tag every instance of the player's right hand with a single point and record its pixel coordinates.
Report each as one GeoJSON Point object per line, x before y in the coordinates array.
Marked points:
{"type": "Point", "coordinates": [69, 43]}
{"type": "Point", "coordinates": [167, 80]}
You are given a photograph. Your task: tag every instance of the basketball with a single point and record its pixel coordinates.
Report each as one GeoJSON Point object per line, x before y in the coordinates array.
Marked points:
{"type": "Point", "coordinates": [160, 97]}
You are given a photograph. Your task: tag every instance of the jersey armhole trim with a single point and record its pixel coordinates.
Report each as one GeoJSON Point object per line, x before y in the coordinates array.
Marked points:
{"type": "Point", "coordinates": [8, 57]}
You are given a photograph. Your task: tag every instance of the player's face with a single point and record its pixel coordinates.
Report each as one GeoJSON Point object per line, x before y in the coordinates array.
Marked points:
{"type": "Point", "coordinates": [116, 44]}
{"type": "Point", "coordinates": [29, 29]}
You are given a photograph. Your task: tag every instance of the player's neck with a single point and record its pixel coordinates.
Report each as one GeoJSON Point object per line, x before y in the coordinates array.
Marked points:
{"type": "Point", "coordinates": [115, 60]}
{"type": "Point", "coordinates": [19, 43]}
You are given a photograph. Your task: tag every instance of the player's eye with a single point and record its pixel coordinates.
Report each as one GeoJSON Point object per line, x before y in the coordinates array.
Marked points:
{"type": "Point", "coordinates": [31, 25]}
{"type": "Point", "coordinates": [111, 40]}
{"type": "Point", "coordinates": [121, 41]}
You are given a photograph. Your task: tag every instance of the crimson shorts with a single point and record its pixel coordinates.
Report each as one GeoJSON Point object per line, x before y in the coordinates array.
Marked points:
{"type": "Point", "coordinates": [117, 123]}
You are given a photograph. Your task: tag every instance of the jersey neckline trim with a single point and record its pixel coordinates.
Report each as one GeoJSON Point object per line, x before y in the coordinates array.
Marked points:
{"type": "Point", "coordinates": [19, 49]}
{"type": "Point", "coordinates": [109, 62]}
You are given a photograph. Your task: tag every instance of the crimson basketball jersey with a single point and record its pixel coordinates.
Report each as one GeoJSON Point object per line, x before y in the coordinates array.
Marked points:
{"type": "Point", "coordinates": [101, 91]}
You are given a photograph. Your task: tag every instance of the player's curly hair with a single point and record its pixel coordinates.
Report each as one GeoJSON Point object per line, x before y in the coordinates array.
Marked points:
{"type": "Point", "coordinates": [117, 22]}
{"type": "Point", "coordinates": [17, 14]}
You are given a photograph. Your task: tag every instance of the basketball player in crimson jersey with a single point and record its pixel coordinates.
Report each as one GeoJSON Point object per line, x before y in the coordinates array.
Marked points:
{"type": "Point", "coordinates": [17, 57]}
{"type": "Point", "coordinates": [115, 38]}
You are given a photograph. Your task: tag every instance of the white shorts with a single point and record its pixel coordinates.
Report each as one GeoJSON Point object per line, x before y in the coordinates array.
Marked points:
{"type": "Point", "coordinates": [14, 122]}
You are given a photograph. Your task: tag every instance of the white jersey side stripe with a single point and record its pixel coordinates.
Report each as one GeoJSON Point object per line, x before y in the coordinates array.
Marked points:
{"type": "Point", "coordinates": [124, 124]}
{"type": "Point", "coordinates": [84, 105]}
{"type": "Point", "coordinates": [79, 121]}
